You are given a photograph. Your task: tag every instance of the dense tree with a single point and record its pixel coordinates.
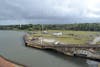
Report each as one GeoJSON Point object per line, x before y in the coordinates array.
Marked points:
{"type": "Point", "coordinates": [77, 27]}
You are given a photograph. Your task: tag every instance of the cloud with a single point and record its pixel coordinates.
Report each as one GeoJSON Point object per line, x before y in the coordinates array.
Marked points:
{"type": "Point", "coordinates": [41, 9]}
{"type": "Point", "coordinates": [93, 9]}
{"type": "Point", "coordinates": [49, 10]}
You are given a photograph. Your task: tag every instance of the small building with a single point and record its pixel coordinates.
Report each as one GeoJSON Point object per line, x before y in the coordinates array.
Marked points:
{"type": "Point", "coordinates": [83, 53]}
{"type": "Point", "coordinates": [58, 34]}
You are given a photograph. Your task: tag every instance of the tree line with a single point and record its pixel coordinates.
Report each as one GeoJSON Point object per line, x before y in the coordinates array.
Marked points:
{"type": "Point", "coordinates": [76, 27]}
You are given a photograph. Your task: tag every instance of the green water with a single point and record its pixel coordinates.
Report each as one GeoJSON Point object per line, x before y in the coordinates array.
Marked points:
{"type": "Point", "coordinates": [12, 47]}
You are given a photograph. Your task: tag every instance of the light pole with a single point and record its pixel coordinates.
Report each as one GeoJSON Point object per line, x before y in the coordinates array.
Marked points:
{"type": "Point", "coordinates": [20, 26]}
{"type": "Point", "coordinates": [41, 34]}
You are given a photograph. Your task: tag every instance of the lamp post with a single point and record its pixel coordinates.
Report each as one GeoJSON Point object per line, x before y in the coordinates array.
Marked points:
{"type": "Point", "coordinates": [20, 26]}
{"type": "Point", "coordinates": [41, 34]}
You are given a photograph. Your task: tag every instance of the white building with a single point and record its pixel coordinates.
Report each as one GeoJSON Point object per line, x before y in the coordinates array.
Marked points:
{"type": "Point", "coordinates": [83, 52]}
{"type": "Point", "coordinates": [58, 34]}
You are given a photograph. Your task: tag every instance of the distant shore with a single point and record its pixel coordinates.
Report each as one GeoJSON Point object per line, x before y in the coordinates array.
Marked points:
{"type": "Point", "coordinates": [6, 63]}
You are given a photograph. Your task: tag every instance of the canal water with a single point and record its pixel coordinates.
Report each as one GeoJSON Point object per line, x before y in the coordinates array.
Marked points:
{"type": "Point", "coordinates": [12, 47]}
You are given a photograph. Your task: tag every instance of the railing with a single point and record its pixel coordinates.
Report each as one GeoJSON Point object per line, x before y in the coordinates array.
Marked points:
{"type": "Point", "coordinates": [71, 46]}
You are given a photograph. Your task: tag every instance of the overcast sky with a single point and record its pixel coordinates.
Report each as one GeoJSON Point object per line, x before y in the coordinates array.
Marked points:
{"type": "Point", "coordinates": [49, 11]}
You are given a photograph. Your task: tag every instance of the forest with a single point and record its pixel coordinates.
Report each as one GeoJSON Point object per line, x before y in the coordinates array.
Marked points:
{"type": "Point", "coordinates": [75, 27]}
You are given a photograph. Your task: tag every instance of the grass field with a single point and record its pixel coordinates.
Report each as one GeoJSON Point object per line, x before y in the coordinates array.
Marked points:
{"type": "Point", "coordinates": [69, 37]}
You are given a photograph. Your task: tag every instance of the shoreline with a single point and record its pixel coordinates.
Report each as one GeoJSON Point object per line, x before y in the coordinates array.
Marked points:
{"type": "Point", "coordinates": [29, 43]}
{"type": "Point", "coordinates": [7, 63]}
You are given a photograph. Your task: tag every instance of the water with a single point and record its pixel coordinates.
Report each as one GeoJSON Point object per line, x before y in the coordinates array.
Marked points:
{"type": "Point", "coordinates": [12, 47]}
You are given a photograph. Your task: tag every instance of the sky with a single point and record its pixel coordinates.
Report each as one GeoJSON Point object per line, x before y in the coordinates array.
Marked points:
{"type": "Point", "coordinates": [49, 11]}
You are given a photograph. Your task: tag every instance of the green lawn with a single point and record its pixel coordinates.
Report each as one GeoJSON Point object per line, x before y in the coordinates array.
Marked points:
{"type": "Point", "coordinates": [69, 37]}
